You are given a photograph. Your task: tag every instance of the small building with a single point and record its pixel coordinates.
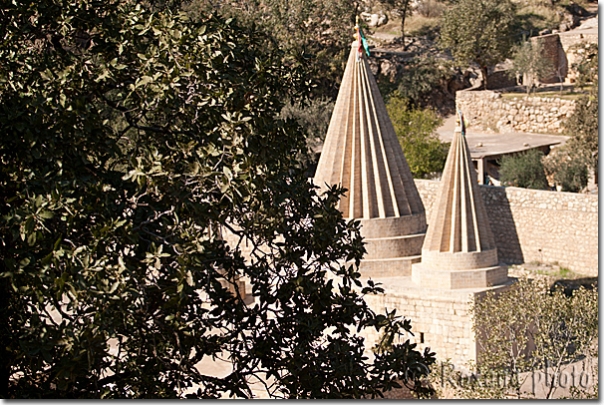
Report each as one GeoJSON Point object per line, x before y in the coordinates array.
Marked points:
{"type": "Point", "coordinates": [487, 149]}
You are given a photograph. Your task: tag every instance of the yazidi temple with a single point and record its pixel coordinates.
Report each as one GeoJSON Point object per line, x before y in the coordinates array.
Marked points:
{"type": "Point", "coordinates": [431, 272]}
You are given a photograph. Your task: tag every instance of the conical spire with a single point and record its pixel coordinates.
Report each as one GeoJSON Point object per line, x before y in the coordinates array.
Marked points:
{"type": "Point", "coordinates": [362, 154]}
{"type": "Point", "coordinates": [459, 249]}
{"type": "Point", "coordinates": [361, 151]}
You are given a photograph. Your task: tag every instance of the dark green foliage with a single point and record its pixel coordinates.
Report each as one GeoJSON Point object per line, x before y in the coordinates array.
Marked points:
{"type": "Point", "coordinates": [133, 144]}
{"type": "Point", "coordinates": [523, 170]}
{"type": "Point", "coordinates": [572, 176]}
{"type": "Point", "coordinates": [415, 129]}
{"type": "Point", "coordinates": [479, 31]}
{"type": "Point", "coordinates": [424, 83]}
{"type": "Point", "coordinates": [571, 165]}
{"type": "Point", "coordinates": [319, 31]}
{"type": "Point", "coordinates": [567, 168]}
{"type": "Point", "coordinates": [421, 78]}
{"type": "Point", "coordinates": [313, 118]}
{"type": "Point", "coordinates": [587, 66]}
{"type": "Point", "coordinates": [582, 126]}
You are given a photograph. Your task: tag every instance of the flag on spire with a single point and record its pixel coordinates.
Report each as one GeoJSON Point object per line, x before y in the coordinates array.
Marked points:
{"type": "Point", "coordinates": [361, 39]}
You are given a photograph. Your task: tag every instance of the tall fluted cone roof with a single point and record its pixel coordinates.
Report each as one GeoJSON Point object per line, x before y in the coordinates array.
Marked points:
{"type": "Point", "coordinates": [459, 220]}
{"type": "Point", "coordinates": [361, 152]}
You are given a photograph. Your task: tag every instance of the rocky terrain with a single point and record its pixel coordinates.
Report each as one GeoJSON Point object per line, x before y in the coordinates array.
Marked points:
{"type": "Point", "coordinates": [390, 58]}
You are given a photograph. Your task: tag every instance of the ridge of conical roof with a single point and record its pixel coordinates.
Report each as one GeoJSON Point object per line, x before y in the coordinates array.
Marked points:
{"type": "Point", "coordinates": [459, 222]}
{"type": "Point", "coordinates": [362, 153]}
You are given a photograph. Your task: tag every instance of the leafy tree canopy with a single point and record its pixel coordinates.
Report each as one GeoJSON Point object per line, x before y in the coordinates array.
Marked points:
{"type": "Point", "coordinates": [133, 142]}
{"type": "Point", "coordinates": [570, 164]}
{"type": "Point", "coordinates": [479, 31]}
{"type": "Point", "coordinates": [415, 129]}
{"type": "Point", "coordinates": [320, 31]}
{"type": "Point", "coordinates": [313, 117]}
{"type": "Point", "coordinates": [566, 168]}
{"type": "Point", "coordinates": [423, 79]}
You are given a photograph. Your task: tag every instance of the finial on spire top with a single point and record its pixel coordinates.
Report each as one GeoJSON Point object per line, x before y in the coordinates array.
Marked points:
{"type": "Point", "coordinates": [459, 122]}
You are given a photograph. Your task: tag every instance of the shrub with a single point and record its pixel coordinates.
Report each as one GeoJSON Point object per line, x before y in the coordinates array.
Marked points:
{"type": "Point", "coordinates": [523, 170]}
{"type": "Point", "coordinates": [572, 176]}
{"type": "Point", "coordinates": [567, 169]}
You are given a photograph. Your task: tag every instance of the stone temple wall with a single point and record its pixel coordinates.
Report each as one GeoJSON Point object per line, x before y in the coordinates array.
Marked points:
{"type": "Point", "coordinates": [488, 110]}
{"type": "Point", "coordinates": [536, 225]}
{"type": "Point", "coordinates": [439, 321]}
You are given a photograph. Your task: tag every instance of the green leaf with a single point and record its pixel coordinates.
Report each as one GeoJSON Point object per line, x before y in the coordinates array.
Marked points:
{"type": "Point", "coordinates": [46, 214]}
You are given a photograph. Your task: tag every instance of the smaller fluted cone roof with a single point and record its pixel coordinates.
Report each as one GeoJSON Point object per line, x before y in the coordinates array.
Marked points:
{"type": "Point", "coordinates": [459, 220]}
{"type": "Point", "coordinates": [361, 152]}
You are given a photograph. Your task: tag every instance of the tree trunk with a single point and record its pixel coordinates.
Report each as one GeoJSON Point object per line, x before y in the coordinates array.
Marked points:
{"type": "Point", "coordinates": [403, 29]}
{"type": "Point", "coordinates": [484, 70]}
{"type": "Point", "coordinates": [530, 83]}
{"type": "Point", "coordinates": [403, 17]}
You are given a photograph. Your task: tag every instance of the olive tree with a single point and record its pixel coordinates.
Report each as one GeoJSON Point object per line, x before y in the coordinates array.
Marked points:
{"type": "Point", "coordinates": [479, 31]}
{"type": "Point", "coordinates": [531, 63]}
{"type": "Point", "coordinates": [525, 329]}
{"type": "Point", "coordinates": [530, 327]}
{"type": "Point", "coordinates": [133, 142]}
{"type": "Point", "coordinates": [571, 163]}
{"type": "Point", "coordinates": [403, 9]}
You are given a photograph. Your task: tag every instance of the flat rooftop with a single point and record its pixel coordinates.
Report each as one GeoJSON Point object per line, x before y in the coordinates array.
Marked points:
{"type": "Point", "coordinates": [484, 144]}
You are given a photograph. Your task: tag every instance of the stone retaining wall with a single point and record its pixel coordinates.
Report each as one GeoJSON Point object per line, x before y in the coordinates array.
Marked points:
{"type": "Point", "coordinates": [488, 110]}
{"type": "Point", "coordinates": [537, 226]}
